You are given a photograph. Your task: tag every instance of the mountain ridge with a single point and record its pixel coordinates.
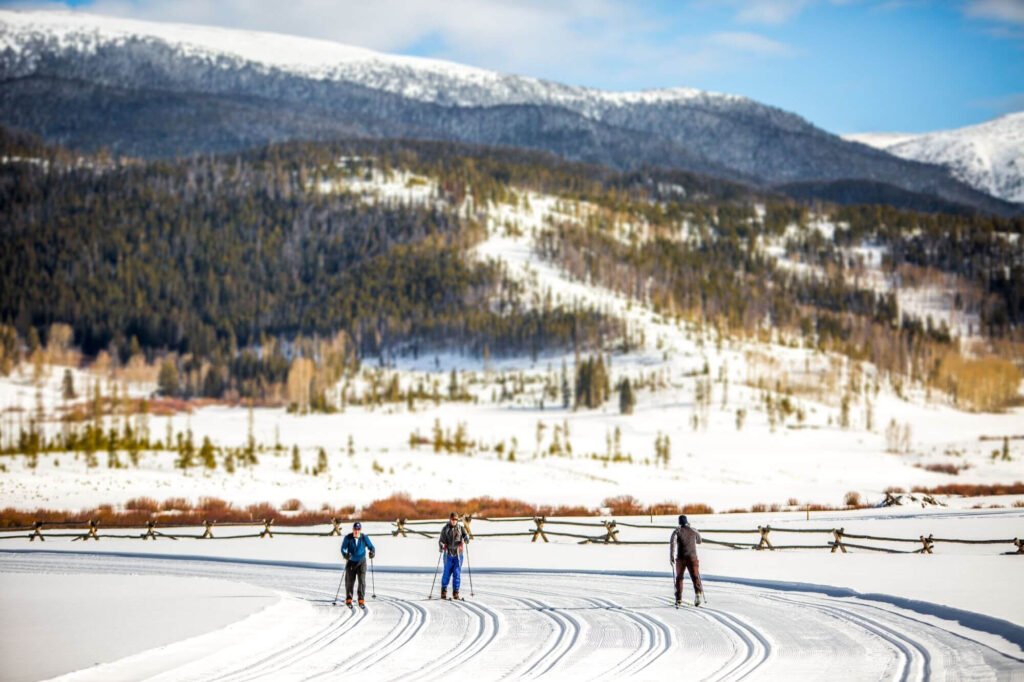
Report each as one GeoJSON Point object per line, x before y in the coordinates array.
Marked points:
{"type": "Point", "coordinates": [211, 89]}
{"type": "Point", "coordinates": [989, 156]}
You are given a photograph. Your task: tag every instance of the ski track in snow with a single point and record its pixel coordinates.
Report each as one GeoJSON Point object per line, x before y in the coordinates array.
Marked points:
{"type": "Point", "coordinates": [563, 625]}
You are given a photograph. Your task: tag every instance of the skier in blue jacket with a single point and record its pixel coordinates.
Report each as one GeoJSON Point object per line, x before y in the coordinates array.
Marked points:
{"type": "Point", "coordinates": [354, 549]}
{"type": "Point", "coordinates": [451, 541]}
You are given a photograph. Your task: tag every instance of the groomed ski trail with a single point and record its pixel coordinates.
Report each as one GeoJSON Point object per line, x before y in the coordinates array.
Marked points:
{"type": "Point", "coordinates": [553, 625]}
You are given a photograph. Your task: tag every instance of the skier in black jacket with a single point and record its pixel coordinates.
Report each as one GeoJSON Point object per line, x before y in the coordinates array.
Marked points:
{"type": "Point", "coordinates": [453, 537]}
{"type": "Point", "coordinates": [683, 557]}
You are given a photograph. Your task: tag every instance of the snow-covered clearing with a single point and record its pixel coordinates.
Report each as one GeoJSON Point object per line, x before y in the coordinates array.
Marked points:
{"type": "Point", "coordinates": [562, 610]}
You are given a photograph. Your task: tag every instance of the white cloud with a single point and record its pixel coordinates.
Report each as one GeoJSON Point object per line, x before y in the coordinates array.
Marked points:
{"type": "Point", "coordinates": [770, 11]}
{"type": "Point", "coordinates": [773, 12]}
{"type": "Point", "coordinates": [578, 41]}
{"type": "Point", "coordinates": [1009, 11]}
{"type": "Point", "coordinates": [752, 43]}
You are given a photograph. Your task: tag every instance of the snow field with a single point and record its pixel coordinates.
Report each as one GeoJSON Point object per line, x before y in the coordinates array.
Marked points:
{"type": "Point", "coordinates": [62, 621]}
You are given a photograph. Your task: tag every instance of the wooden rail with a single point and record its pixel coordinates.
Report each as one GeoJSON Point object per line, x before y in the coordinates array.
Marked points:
{"type": "Point", "coordinates": [606, 531]}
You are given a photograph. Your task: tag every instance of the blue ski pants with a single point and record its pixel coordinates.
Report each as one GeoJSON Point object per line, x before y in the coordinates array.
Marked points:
{"type": "Point", "coordinates": [453, 570]}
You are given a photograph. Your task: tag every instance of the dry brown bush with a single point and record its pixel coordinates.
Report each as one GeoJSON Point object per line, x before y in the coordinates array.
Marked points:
{"type": "Point", "coordinates": [212, 504]}
{"type": "Point", "coordinates": [624, 505]}
{"type": "Point", "coordinates": [146, 504]}
{"type": "Point", "coordinates": [951, 469]}
{"type": "Point", "coordinates": [292, 505]}
{"type": "Point", "coordinates": [973, 489]}
{"type": "Point", "coordinates": [176, 504]}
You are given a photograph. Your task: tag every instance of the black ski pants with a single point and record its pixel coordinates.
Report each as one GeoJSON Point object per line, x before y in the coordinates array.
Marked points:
{"type": "Point", "coordinates": [684, 564]}
{"type": "Point", "coordinates": [353, 570]}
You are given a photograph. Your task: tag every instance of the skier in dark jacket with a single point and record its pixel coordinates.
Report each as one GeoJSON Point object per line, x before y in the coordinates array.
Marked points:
{"type": "Point", "coordinates": [354, 549]}
{"type": "Point", "coordinates": [453, 537]}
{"type": "Point", "coordinates": [683, 557]}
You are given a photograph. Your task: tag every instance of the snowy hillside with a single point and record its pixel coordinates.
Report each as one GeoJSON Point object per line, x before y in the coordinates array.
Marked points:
{"type": "Point", "coordinates": [988, 156]}
{"type": "Point", "coordinates": [750, 421]}
{"type": "Point", "coordinates": [418, 78]}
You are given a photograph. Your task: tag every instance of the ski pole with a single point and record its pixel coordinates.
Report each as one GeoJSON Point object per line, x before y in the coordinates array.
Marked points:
{"type": "Point", "coordinates": [373, 581]}
{"type": "Point", "coordinates": [338, 592]}
{"type": "Point", "coordinates": [469, 568]}
{"type": "Point", "coordinates": [436, 569]}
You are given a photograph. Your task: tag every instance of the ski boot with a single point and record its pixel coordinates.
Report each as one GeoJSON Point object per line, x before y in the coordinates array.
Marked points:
{"type": "Point", "coordinates": [699, 599]}
{"type": "Point", "coordinates": [362, 604]}
{"type": "Point", "coordinates": [348, 602]}
{"type": "Point", "coordinates": [679, 602]}
{"type": "Point", "coordinates": [444, 593]}
{"type": "Point", "coordinates": [455, 595]}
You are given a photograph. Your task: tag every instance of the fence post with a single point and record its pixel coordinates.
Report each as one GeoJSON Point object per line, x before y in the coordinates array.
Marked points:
{"type": "Point", "coordinates": [466, 520]}
{"type": "Point", "coordinates": [838, 544]}
{"type": "Point", "coordinates": [265, 533]}
{"type": "Point", "coordinates": [399, 529]}
{"type": "Point", "coordinates": [208, 533]}
{"type": "Point", "coordinates": [765, 542]}
{"type": "Point", "coordinates": [37, 532]}
{"type": "Point", "coordinates": [539, 530]}
{"type": "Point", "coordinates": [611, 533]}
{"type": "Point", "coordinates": [337, 527]}
{"type": "Point", "coordinates": [93, 523]}
{"type": "Point", "coordinates": [150, 533]}
{"type": "Point", "coordinates": [927, 543]}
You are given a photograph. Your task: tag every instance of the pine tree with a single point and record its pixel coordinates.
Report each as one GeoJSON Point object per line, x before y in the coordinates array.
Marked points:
{"type": "Point", "coordinates": [844, 412]}
{"type": "Point", "coordinates": [453, 386]}
{"type": "Point", "coordinates": [250, 443]}
{"type": "Point", "coordinates": [207, 455]}
{"type": "Point", "coordinates": [167, 381]}
{"type": "Point", "coordinates": [113, 461]}
{"type": "Point", "coordinates": [321, 462]}
{"type": "Point", "coordinates": [296, 459]}
{"type": "Point", "coordinates": [627, 400]}
{"type": "Point", "coordinates": [68, 386]}
{"type": "Point", "coordinates": [186, 451]}
{"type": "Point", "coordinates": [566, 392]}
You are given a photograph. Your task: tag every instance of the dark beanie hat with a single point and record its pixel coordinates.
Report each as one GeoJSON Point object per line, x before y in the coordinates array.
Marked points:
{"type": "Point", "coordinates": [683, 521]}
{"type": "Point", "coordinates": [453, 515]}
{"type": "Point", "coordinates": [357, 526]}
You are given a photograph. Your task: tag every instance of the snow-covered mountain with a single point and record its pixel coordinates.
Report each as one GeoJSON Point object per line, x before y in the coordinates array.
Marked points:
{"type": "Point", "coordinates": [988, 156]}
{"type": "Point", "coordinates": [158, 89]}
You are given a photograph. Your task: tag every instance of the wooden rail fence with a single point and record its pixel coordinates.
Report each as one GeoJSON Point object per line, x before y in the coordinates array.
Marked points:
{"type": "Point", "coordinates": [606, 532]}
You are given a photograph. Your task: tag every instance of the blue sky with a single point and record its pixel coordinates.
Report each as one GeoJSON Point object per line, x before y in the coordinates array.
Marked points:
{"type": "Point", "coordinates": [846, 65]}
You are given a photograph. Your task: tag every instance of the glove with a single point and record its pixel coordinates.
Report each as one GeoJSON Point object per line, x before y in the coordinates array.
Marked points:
{"type": "Point", "coordinates": [372, 554]}
{"type": "Point", "coordinates": [344, 556]}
